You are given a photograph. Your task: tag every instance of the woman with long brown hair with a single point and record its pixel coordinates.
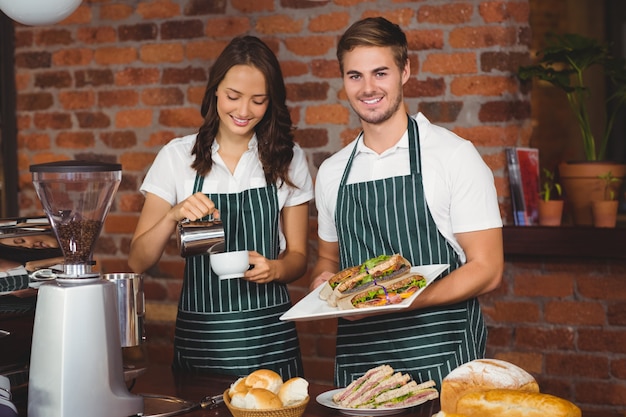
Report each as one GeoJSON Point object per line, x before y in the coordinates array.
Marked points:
{"type": "Point", "coordinates": [244, 167]}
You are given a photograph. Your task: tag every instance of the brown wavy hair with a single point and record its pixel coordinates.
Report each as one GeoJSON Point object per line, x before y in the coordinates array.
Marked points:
{"type": "Point", "coordinates": [274, 131]}
{"type": "Point", "coordinates": [374, 31]}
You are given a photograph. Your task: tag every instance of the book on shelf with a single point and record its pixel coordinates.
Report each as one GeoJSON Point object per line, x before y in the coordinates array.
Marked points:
{"type": "Point", "coordinates": [523, 167]}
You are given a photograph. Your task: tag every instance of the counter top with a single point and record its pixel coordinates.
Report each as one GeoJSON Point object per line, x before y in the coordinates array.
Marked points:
{"type": "Point", "coordinates": [194, 387]}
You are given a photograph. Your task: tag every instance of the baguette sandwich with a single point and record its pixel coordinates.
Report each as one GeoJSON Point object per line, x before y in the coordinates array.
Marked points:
{"type": "Point", "coordinates": [350, 280]}
{"type": "Point", "coordinates": [385, 293]}
{"type": "Point", "coordinates": [381, 387]}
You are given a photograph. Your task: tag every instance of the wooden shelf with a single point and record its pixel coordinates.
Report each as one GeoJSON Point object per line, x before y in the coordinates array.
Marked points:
{"type": "Point", "coordinates": [565, 241]}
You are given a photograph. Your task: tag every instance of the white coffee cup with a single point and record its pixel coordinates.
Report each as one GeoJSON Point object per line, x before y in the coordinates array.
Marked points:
{"type": "Point", "coordinates": [230, 264]}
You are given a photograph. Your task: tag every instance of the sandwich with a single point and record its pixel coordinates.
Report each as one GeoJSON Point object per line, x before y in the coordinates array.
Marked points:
{"type": "Point", "coordinates": [382, 387]}
{"type": "Point", "coordinates": [375, 270]}
{"type": "Point", "coordinates": [385, 293]}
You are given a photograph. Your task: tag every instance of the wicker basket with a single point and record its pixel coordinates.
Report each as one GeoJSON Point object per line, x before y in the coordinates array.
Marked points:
{"type": "Point", "coordinates": [292, 411]}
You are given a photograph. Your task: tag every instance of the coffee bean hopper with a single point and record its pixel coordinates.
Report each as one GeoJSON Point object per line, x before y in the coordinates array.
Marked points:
{"type": "Point", "coordinates": [76, 357]}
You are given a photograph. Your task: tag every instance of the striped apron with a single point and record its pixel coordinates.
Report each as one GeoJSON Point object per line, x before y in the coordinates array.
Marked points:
{"type": "Point", "coordinates": [391, 216]}
{"type": "Point", "coordinates": [232, 326]}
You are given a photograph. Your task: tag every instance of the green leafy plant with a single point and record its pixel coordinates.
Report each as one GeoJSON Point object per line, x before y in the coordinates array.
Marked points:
{"type": "Point", "coordinates": [609, 181]}
{"type": "Point", "coordinates": [548, 185]}
{"type": "Point", "coordinates": [563, 63]}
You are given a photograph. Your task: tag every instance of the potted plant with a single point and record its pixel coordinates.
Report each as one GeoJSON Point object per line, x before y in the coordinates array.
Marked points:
{"type": "Point", "coordinates": [550, 203]}
{"type": "Point", "coordinates": [605, 211]}
{"type": "Point", "coordinates": [564, 62]}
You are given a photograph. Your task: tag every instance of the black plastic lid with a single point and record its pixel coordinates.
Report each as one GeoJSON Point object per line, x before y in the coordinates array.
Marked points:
{"type": "Point", "coordinates": [75, 166]}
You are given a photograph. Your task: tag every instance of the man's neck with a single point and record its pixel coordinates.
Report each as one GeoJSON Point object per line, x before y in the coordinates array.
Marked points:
{"type": "Point", "coordinates": [382, 136]}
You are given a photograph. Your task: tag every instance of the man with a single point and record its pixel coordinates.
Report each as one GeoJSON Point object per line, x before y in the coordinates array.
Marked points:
{"type": "Point", "coordinates": [406, 186]}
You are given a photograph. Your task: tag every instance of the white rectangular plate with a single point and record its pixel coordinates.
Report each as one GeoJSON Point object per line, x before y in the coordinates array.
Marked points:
{"type": "Point", "coordinates": [312, 307]}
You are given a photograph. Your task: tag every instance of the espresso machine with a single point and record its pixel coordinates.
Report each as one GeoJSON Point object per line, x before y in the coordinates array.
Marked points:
{"type": "Point", "coordinates": [76, 365]}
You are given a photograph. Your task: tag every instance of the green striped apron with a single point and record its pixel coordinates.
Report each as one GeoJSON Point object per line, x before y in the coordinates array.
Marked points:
{"type": "Point", "coordinates": [232, 326]}
{"type": "Point", "coordinates": [391, 216]}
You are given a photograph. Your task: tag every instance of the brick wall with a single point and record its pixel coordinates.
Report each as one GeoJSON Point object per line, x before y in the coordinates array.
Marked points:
{"type": "Point", "coordinates": [118, 79]}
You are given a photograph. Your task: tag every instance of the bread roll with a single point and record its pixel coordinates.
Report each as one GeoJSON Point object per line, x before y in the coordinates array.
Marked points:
{"type": "Point", "coordinates": [480, 375]}
{"type": "Point", "coordinates": [238, 399]}
{"type": "Point", "coordinates": [293, 391]}
{"type": "Point", "coordinates": [239, 386]}
{"type": "Point", "coordinates": [513, 403]}
{"type": "Point", "coordinates": [264, 378]}
{"type": "Point", "coordinates": [261, 399]}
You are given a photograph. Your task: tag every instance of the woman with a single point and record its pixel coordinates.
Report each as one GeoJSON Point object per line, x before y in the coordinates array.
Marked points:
{"type": "Point", "coordinates": [244, 168]}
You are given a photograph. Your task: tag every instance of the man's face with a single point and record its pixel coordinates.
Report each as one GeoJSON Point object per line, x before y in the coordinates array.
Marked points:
{"type": "Point", "coordinates": [373, 83]}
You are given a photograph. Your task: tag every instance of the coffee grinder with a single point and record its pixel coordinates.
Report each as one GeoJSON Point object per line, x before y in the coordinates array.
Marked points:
{"type": "Point", "coordinates": [76, 357]}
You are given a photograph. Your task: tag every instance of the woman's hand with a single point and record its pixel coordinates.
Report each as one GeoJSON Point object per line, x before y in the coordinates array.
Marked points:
{"type": "Point", "coordinates": [194, 207]}
{"type": "Point", "coordinates": [263, 270]}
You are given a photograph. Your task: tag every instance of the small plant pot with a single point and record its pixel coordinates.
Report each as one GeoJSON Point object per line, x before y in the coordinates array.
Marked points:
{"type": "Point", "coordinates": [604, 213]}
{"type": "Point", "coordinates": [550, 212]}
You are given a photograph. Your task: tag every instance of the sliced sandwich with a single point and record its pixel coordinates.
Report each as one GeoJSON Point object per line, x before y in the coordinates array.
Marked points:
{"type": "Point", "coordinates": [384, 293]}
{"type": "Point", "coordinates": [382, 387]}
{"type": "Point", "coordinates": [351, 280]}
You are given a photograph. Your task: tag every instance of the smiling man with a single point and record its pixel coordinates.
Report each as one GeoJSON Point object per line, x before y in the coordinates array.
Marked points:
{"type": "Point", "coordinates": [406, 186]}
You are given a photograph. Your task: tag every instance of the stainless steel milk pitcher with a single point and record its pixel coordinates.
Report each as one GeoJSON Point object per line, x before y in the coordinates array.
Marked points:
{"type": "Point", "coordinates": [198, 237]}
{"type": "Point", "coordinates": [131, 306]}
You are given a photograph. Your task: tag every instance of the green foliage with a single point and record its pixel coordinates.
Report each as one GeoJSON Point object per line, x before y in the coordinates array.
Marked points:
{"type": "Point", "coordinates": [563, 63]}
{"type": "Point", "coordinates": [609, 181]}
{"type": "Point", "coordinates": [548, 185]}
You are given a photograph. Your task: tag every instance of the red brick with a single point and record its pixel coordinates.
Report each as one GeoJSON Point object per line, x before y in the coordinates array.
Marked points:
{"type": "Point", "coordinates": [247, 6]}
{"type": "Point", "coordinates": [490, 135]}
{"type": "Point", "coordinates": [577, 364]}
{"type": "Point", "coordinates": [293, 68]}
{"type": "Point", "coordinates": [133, 118]}
{"type": "Point", "coordinates": [87, 120]}
{"type": "Point", "coordinates": [58, 79]}
{"type": "Point", "coordinates": [93, 77]}
{"type": "Point", "coordinates": [482, 37]}
{"type": "Point", "coordinates": [125, 98]}
{"type": "Point", "coordinates": [119, 139]}
{"type": "Point", "coordinates": [82, 15]}
{"type": "Point", "coordinates": [180, 117]}
{"type": "Point", "coordinates": [113, 55]}
{"type": "Point", "coordinates": [401, 17]}
{"type": "Point", "coordinates": [618, 368]}
{"type": "Point", "coordinates": [327, 113]}
{"type": "Point", "coordinates": [181, 29]}
{"type": "Point", "coordinates": [196, 94]}
{"type": "Point", "coordinates": [116, 11]}
{"type": "Point", "coordinates": [34, 101]}
{"type": "Point", "coordinates": [158, 9]}
{"type": "Point", "coordinates": [72, 100]}
{"type": "Point", "coordinates": [131, 203]}
{"type": "Point", "coordinates": [501, 61]}
{"type": "Point", "coordinates": [311, 138]}
{"type": "Point", "coordinates": [159, 138]}
{"type": "Point", "coordinates": [278, 24]}
{"type": "Point", "coordinates": [330, 22]}
{"type": "Point", "coordinates": [202, 7]}
{"type": "Point", "coordinates": [33, 60]}
{"type": "Point", "coordinates": [538, 338]}
{"type": "Point", "coordinates": [34, 141]}
{"type": "Point", "coordinates": [483, 85]}
{"type": "Point", "coordinates": [137, 76]}
{"type": "Point", "coordinates": [23, 38]}
{"type": "Point", "coordinates": [441, 111]}
{"type": "Point", "coordinates": [204, 50]}
{"type": "Point", "coordinates": [530, 362]}
{"type": "Point", "coordinates": [575, 313]}
{"type": "Point", "coordinates": [307, 91]}
{"type": "Point", "coordinates": [447, 14]}
{"type": "Point", "coordinates": [419, 40]}
{"type": "Point", "coordinates": [49, 37]}
{"type": "Point", "coordinates": [515, 312]}
{"type": "Point", "coordinates": [162, 96]}
{"type": "Point", "coordinates": [609, 287]}
{"type": "Point", "coordinates": [310, 46]}
{"type": "Point", "coordinates": [185, 75]}
{"type": "Point", "coordinates": [121, 223]}
{"type": "Point", "coordinates": [22, 81]}
{"type": "Point", "coordinates": [138, 32]}
{"type": "Point", "coordinates": [503, 111]}
{"type": "Point", "coordinates": [606, 393]}
{"type": "Point", "coordinates": [553, 285]}
{"type": "Point", "coordinates": [430, 87]}
{"type": "Point", "coordinates": [52, 121]}
{"type": "Point", "coordinates": [137, 161]}
{"type": "Point", "coordinates": [75, 140]}
{"type": "Point", "coordinates": [323, 68]}
{"type": "Point", "coordinates": [94, 35]}
{"type": "Point", "coordinates": [459, 63]}
{"type": "Point", "coordinates": [601, 340]}
{"type": "Point", "coordinates": [227, 26]}
{"type": "Point", "coordinates": [158, 53]}
{"type": "Point", "coordinates": [616, 314]}
{"type": "Point", "coordinates": [71, 57]}
{"type": "Point", "coordinates": [497, 12]}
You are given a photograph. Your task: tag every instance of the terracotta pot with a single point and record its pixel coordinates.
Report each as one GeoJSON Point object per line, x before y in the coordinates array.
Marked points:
{"type": "Point", "coordinates": [581, 186]}
{"type": "Point", "coordinates": [550, 212]}
{"type": "Point", "coordinates": [604, 213]}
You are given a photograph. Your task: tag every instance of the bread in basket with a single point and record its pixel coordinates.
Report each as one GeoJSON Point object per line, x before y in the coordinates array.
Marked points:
{"type": "Point", "coordinates": [289, 411]}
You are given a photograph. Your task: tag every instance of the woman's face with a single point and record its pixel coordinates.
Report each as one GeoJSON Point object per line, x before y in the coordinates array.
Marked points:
{"type": "Point", "coordinates": [33, 242]}
{"type": "Point", "coordinates": [242, 101]}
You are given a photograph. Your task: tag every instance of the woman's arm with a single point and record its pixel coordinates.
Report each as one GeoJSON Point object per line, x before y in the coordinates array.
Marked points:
{"type": "Point", "coordinates": [292, 263]}
{"type": "Point", "coordinates": [157, 223]}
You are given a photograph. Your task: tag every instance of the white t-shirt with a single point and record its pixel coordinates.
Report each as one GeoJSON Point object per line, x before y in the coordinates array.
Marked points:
{"type": "Point", "coordinates": [171, 177]}
{"type": "Point", "coordinates": [459, 186]}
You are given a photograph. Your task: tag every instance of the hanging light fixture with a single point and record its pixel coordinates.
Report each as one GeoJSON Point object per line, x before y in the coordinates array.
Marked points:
{"type": "Point", "coordinates": [38, 12]}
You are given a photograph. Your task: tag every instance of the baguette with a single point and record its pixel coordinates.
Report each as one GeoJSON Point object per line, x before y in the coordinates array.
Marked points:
{"type": "Point", "coordinates": [514, 403]}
